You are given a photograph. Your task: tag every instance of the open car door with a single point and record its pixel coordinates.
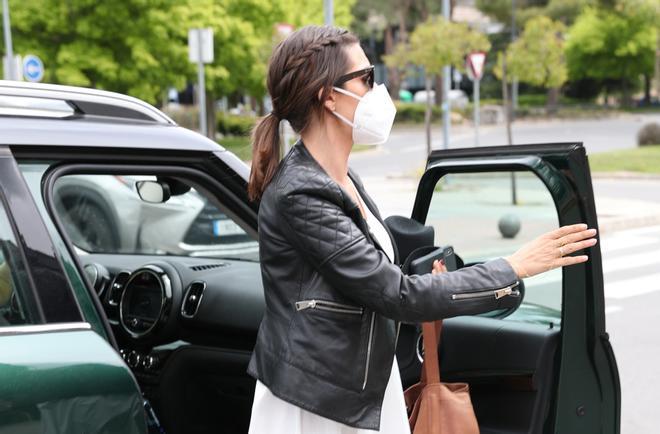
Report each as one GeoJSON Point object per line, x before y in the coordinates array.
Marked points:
{"type": "Point", "coordinates": [546, 366]}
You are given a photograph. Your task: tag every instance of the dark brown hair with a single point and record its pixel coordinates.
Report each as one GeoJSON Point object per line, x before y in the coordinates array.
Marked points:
{"type": "Point", "coordinates": [309, 59]}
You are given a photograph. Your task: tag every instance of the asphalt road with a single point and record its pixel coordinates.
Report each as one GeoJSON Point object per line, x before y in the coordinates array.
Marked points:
{"type": "Point", "coordinates": [631, 263]}
{"type": "Point", "coordinates": [405, 152]}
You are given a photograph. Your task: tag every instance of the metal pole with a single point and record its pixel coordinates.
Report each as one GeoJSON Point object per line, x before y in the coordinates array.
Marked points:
{"type": "Point", "coordinates": [476, 112]}
{"type": "Point", "coordinates": [514, 79]}
{"type": "Point", "coordinates": [328, 12]}
{"type": "Point", "coordinates": [201, 100]}
{"type": "Point", "coordinates": [9, 72]}
{"type": "Point", "coordinates": [446, 71]}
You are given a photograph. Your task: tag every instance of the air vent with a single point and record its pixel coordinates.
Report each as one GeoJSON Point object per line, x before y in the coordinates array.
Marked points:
{"type": "Point", "coordinates": [192, 299]}
{"type": "Point", "coordinates": [117, 287]}
{"type": "Point", "coordinates": [208, 266]}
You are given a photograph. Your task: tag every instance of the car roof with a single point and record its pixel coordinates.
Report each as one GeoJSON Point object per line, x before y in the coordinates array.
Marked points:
{"type": "Point", "coordinates": [88, 117]}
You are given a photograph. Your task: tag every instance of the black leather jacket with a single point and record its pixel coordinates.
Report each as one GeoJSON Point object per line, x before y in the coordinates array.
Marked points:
{"type": "Point", "coordinates": [334, 301]}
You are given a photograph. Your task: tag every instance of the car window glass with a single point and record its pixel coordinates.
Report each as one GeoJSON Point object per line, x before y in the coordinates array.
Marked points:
{"type": "Point", "coordinates": [14, 301]}
{"type": "Point", "coordinates": [106, 214]}
{"type": "Point", "coordinates": [475, 213]}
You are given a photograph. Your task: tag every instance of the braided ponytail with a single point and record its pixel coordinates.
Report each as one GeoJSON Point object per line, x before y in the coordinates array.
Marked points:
{"type": "Point", "coordinates": [310, 59]}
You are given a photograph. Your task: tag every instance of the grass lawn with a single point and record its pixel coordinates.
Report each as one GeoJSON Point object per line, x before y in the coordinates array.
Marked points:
{"type": "Point", "coordinates": [241, 146]}
{"type": "Point", "coordinates": [645, 159]}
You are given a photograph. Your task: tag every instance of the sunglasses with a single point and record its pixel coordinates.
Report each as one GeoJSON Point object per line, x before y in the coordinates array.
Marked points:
{"type": "Point", "coordinates": [367, 75]}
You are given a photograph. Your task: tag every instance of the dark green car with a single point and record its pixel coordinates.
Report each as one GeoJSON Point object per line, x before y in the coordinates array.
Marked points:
{"type": "Point", "coordinates": [154, 333]}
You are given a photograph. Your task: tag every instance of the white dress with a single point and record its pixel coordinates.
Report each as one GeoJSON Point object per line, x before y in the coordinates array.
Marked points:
{"type": "Point", "coordinates": [273, 415]}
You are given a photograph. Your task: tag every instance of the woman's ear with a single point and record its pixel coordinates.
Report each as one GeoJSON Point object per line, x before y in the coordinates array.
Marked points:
{"type": "Point", "coordinates": [330, 101]}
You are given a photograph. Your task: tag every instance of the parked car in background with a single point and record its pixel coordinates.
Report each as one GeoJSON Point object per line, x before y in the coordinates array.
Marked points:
{"type": "Point", "coordinates": [457, 97]}
{"type": "Point", "coordinates": [131, 291]}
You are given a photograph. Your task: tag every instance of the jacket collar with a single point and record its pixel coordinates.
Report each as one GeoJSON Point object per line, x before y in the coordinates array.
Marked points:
{"type": "Point", "coordinates": [299, 151]}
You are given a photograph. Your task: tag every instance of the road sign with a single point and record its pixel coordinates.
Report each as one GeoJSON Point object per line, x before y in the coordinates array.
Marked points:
{"type": "Point", "coordinates": [33, 68]}
{"type": "Point", "coordinates": [203, 53]}
{"type": "Point", "coordinates": [475, 68]}
{"type": "Point", "coordinates": [475, 63]}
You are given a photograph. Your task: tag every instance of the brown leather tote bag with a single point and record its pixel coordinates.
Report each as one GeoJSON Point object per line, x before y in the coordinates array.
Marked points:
{"type": "Point", "coordinates": [435, 407]}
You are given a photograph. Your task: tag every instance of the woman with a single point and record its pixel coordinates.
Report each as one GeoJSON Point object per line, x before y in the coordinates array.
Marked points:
{"type": "Point", "coordinates": [324, 356]}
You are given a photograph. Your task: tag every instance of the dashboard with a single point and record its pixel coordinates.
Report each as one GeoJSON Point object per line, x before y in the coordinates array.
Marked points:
{"type": "Point", "coordinates": [155, 304]}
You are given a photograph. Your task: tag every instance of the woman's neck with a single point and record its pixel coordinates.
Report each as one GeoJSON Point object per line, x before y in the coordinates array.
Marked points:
{"type": "Point", "coordinates": [330, 149]}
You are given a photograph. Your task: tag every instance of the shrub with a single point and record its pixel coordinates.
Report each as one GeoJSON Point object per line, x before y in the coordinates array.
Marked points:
{"type": "Point", "coordinates": [235, 125]}
{"type": "Point", "coordinates": [414, 112]}
{"type": "Point", "coordinates": [649, 134]}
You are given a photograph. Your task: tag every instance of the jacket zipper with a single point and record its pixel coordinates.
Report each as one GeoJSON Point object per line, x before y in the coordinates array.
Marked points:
{"type": "Point", "coordinates": [371, 332]}
{"type": "Point", "coordinates": [497, 293]}
{"type": "Point", "coordinates": [328, 305]}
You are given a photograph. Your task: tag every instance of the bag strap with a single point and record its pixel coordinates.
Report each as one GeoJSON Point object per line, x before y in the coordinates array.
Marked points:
{"type": "Point", "coordinates": [431, 332]}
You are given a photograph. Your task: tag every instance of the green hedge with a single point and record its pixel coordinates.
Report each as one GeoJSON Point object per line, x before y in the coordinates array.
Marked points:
{"type": "Point", "coordinates": [235, 125]}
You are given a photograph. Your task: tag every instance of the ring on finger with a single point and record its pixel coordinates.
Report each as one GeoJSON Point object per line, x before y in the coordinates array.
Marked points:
{"type": "Point", "coordinates": [561, 251]}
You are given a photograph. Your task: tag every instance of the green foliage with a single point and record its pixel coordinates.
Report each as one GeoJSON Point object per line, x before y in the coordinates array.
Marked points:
{"type": "Point", "coordinates": [140, 47]}
{"type": "Point", "coordinates": [606, 44]}
{"type": "Point", "coordinates": [537, 56]}
{"type": "Point", "coordinates": [234, 124]}
{"type": "Point", "coordinates": [411, 112]}
{"type": "Point", "coordinates": [436, 43]}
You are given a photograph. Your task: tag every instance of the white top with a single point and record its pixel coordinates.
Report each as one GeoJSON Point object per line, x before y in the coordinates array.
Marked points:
{"type": "Point", "coordinates": [273, 415]}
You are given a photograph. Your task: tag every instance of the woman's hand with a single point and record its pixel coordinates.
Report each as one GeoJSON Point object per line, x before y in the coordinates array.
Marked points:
{"type": "Point", "coordinates": [439, 266]}
{"type": "Point", "coordinates": [550, 250]}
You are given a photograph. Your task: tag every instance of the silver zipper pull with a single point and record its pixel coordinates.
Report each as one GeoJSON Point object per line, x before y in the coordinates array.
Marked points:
{"type": "Point", "coordinates": [502, 292]}
{"type": "Point", "coordinates": [300, 305]}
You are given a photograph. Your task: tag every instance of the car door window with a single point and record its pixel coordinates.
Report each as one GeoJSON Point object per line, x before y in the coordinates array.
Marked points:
{"type": "Point", "coordinates": [479, 215]}
{"type": "Point", "coordinates": [15, 302]}
{"type": "Point", "coordinates": [107, 214]}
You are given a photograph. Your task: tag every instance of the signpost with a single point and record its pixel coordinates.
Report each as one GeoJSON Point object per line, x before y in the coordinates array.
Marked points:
{"type": "Point", "coordinates": [475, 68]}
{"type": "Point", "coordinates": [200, 51]}
{"type": "Point", "coordinates": [33, 68]}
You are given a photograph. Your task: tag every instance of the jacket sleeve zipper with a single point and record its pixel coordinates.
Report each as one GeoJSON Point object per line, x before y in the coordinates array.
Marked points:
{"type": "Point", "coordinates": [497, 293]}
{"type": "Point", "coordinates": [328, 305]}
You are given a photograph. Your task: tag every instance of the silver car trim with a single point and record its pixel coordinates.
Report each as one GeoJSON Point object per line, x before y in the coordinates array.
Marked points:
{"type": "Point", "coordinates": [44, 328]}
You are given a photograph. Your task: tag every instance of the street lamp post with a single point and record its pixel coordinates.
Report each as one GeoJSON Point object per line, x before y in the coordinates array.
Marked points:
{"type": "Point", "coordinates": [9, 72]}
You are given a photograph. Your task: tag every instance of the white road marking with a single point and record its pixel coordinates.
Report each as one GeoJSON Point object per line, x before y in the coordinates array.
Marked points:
{"type": "Point", "coordinates": [633, 287]}
{"type": "Point", "coordinates": [649, 259]}
{"type": "Point", "coordinates": [613, 309]}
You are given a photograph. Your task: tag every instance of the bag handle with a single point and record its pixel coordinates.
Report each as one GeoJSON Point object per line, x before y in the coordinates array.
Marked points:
{"type": "Point", "coordinates": [431, 332]}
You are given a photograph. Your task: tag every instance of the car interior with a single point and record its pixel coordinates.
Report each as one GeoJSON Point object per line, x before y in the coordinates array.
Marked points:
{"type": "Point", "coordinates": [177, 273]}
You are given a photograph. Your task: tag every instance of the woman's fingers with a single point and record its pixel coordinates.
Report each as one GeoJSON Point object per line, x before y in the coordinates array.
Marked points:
{"type": "Point", "coordinates": [571, 260]}
{"type": "Point", "coordinates": [577, 236]}
{"type": "Point", "coordinates": [566, 230]}
{"type": "Point", "coordinates": [574, 247]}
{"type": "Point", "coordinates": [438, 267]}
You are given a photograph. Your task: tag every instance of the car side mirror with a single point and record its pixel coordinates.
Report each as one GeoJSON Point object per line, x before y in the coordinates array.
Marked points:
{"type": "Point", "coordinates": [153, 191]}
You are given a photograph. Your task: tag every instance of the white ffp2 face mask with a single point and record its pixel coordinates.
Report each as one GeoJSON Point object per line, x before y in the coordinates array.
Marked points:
{"type": "Point", "coordinates": [374, 115]}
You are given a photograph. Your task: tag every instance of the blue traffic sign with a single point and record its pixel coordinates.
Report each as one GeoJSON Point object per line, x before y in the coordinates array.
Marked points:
{"type": "Point", "coordinates": [33, 68]}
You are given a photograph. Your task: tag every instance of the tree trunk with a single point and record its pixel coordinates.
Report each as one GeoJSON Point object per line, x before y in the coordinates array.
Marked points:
{"type": "Point", "coordinates": [427, 114]}
{"type": "Point", "coordinates": [438, 90]}
{"type": "Point", "coordinates": [393, 77]}
{"type": "Point", "coordinates": [657, 68]}
{"type": "Point", "coordinates": [647, 89]}
{"type": "Point", "coordinates": [553, 99]}
{"type": "Point", "coordinates": [211, 123]}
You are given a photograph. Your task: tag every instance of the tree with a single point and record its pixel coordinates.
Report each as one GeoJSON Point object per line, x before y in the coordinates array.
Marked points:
{"type": "Point", "coordinates": [429, 48]}
{"type": "Point", "coordinates": [537, 57]}
{"type": "Point", "coordinates": [615, 45]}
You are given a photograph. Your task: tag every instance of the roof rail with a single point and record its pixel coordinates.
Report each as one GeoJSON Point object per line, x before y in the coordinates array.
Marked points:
{"type": "Point", "coordinates": [84, 101]}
